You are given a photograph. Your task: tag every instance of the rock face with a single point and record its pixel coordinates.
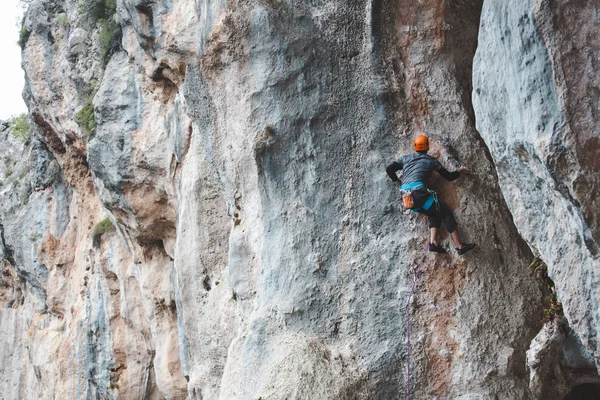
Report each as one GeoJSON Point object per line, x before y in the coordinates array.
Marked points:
{"type": "Point", "coordinates": [559, 363]}
{"type": "Point", "coordinates": [208, 214]}
{"type": "Point", "coordinates": [536, 98]}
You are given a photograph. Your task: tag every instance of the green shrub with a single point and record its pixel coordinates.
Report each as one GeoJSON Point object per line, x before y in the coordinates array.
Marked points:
{"type": "Point", "coordinates": [111, 6]}
{"type": "Point", "coordinates": [8, 173]}
{"type": "Point", "coordinates": [23, 37]}
{"type": "Point", "coordinates": [85, 118]}
{"type": "Point", "coordinates": [102, 12]}
{"type": "Point", "coordinates": [109, 38]}
{"type": "Point", "coordinates": [20, 127]}
{"type": "Point", "coordinates": [552, 307]}
{"type": "Point", "coordinates": [63, 20]}
{"type": "Point", "coordinates": [89, 89]}
{"type": "Point", "coordinates": [96, 10]}
{"type": "Point", "coordinates": [100, 229]}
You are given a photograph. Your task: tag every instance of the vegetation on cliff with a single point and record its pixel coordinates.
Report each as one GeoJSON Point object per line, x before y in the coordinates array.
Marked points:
{"type": "Point", "coordinates": [100, 229]}
{"type": "Point", "coordinates": [85, 117]}
{"type": "Point", "coordinates": [20, 127]}
{"type": "Point", "coordinates": [552, 307]}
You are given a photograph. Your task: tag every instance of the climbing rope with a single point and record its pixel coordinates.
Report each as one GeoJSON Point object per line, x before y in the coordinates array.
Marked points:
{"type": "Point", "coordinates": [408, 345]}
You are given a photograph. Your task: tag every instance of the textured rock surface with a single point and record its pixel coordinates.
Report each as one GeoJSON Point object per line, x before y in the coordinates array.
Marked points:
{"type": "Point", "coordinates": [225, 228]}
{"type": "Point", "coordinates": [558, 362]}
{"type": "Point", "coordinates": [536, 93]}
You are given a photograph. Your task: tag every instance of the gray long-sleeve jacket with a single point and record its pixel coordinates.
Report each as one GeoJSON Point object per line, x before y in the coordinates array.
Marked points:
{"type": "Point", "coordinates": [418, 168]}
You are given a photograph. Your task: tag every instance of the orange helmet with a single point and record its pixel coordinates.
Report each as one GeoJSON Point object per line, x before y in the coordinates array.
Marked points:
{"type": "Point", "coordinates": [421, 143]}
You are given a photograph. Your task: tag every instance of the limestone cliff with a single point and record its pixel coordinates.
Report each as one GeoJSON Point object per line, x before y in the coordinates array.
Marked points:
{"type": "Point", "coordinates": [536, 100]}
{"type": "Point", "coordinates": [202, 209]}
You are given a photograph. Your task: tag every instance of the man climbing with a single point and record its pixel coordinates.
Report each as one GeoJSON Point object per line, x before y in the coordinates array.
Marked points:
{"type": "Point", "coordinates": [417, 169]}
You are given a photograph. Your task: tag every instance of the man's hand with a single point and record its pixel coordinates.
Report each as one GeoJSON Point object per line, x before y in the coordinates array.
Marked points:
{"type": "Point", "coordinates": [463, 170]}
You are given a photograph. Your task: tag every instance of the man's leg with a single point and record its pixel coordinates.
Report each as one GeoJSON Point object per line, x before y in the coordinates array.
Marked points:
{"type": "Point", "coordinates": [437, 214]}
{"type": "Point", "coordinates": [433, 235]}
{"type": "Point", "coordinates": [462, 248]}
{"type": "Point", "coordinates": [456, 239]}
{"type": "Point", "coordinates": [434, 224]}
{"type": "Point", "coordinates": [451, 226]}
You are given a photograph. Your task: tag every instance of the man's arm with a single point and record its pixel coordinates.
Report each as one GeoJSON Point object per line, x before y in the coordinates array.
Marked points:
{"type": "Point", "coordinates": [392, 169]}
{"type": "Point", "coordinates": [451, 176]}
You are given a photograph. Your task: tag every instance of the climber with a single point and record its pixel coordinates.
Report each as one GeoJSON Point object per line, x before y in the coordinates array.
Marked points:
{"type": "Point", "coordinates": [417, 169]}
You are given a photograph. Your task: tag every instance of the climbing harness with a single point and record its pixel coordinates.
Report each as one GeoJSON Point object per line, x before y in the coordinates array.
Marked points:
{"type": "Point", "coordinates": [408, 200]}
{"type": "Point", "coordinates": [408, 345]}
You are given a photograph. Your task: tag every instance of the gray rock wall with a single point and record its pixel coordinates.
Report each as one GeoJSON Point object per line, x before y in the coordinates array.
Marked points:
{"type": "Point", "coordinates": [535, 97]}
{"type": "Point", "coordinates": [227, 230]}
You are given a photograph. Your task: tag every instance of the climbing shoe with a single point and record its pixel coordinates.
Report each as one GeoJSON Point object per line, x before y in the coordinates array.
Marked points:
{"type": "Point", "coordinates": [466, 247]}
{"type": "Point", "coordinates": [436, 248]}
